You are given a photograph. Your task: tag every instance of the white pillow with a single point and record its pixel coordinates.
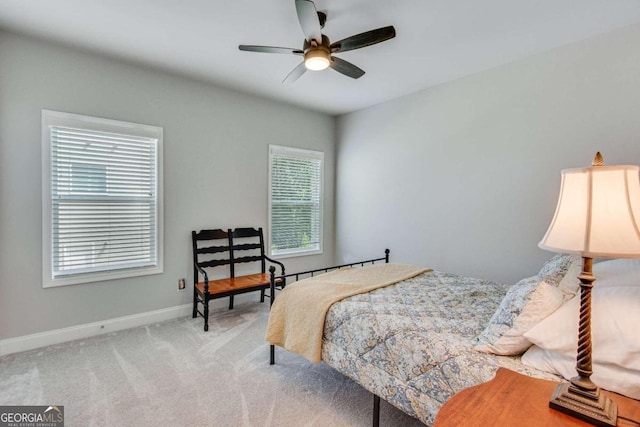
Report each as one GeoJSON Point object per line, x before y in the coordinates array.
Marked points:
{"type": "Point", "coordinates": [615, 321]}
{"type": "Point", "coordinates": [525, 304]}
{"type": "Point", "coordinates": [617, 272]}
{"type": "Point", "coordinates": [610, 377]}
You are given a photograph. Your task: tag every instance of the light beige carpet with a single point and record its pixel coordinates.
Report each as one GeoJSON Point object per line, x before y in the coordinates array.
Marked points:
{"type": "Point", "coordinates": [175, 374]}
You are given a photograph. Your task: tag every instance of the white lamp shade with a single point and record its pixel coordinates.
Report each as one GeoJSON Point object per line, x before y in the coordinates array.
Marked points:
{"type": "Point", "coordinates": [598, 213]}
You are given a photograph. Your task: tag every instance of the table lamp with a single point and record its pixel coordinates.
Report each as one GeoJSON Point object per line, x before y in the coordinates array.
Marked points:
{"type": "Point", "coordinates": [597, 216]}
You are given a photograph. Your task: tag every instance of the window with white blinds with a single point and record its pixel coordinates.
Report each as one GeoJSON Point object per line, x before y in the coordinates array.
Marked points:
{"type": "Point", "coordinates": [102, 199]}
{"type": "Point", "coordinates": [295, 201]}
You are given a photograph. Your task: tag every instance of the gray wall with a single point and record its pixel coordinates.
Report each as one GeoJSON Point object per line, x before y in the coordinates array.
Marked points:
{"type": "Point", "coordinates": [464, 177]}
{"type": "Point", "coordinates": [215, 173]}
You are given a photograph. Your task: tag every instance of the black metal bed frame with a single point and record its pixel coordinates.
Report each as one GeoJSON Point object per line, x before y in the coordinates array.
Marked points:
{"type": "Point", "coordinates": [310, 273]}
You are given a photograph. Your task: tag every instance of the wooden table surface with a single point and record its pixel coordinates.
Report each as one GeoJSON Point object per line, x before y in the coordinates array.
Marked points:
{"type": "Point", "coordinates": [513, 399]}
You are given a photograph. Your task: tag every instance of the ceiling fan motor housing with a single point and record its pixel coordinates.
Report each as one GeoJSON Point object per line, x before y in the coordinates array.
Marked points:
{"type": "Point", "coordinates": [317, 56]}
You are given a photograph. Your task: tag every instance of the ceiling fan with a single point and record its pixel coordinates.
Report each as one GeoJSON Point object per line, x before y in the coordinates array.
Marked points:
{"type": "Point", "coordinates": [317, 50]}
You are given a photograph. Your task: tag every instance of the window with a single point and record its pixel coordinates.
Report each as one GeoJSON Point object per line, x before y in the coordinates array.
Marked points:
{"type": "Point", "coordinates": [102, 199]}
{"type": "Point", "coordinates": [295, 201]}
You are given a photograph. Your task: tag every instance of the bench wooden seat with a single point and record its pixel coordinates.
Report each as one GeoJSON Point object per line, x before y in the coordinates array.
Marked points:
{"type": "Point", "coordinates": [235, 285]}
{"type": "Point", "coordinates": [218, 249]}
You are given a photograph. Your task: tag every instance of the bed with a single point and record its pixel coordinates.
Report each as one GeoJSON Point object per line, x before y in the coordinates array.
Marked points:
{"type": "Point", "coordinates": [417, 342]}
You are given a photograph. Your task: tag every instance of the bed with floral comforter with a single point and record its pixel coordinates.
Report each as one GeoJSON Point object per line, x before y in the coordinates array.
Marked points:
{"type": "Point", "coordinates": [411, 343]}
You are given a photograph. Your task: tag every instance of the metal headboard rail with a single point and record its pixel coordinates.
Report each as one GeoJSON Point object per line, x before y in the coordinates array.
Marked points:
{"type": "Point", "coordinates": [274, 278]}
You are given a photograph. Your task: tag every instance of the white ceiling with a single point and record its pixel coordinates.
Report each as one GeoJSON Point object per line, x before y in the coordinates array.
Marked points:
{"type": "Point", "coordinates": [437, 40]}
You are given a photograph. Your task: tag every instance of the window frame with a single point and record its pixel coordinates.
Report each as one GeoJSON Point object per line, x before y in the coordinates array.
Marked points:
{"type": "Point", "coordinates": [56, 118]}
{"type": "Point", "coordinates": [275, 150]}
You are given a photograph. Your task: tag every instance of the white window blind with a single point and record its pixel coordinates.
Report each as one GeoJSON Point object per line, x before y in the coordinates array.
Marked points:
{"type": "Point", "coordinates": [104, 199]}
{"type": "Point", "coordinates": [295, 198]}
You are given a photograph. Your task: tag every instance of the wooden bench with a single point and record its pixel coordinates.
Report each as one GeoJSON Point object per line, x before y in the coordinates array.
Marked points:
{"type": "Point", "coordinates": [223, 250]}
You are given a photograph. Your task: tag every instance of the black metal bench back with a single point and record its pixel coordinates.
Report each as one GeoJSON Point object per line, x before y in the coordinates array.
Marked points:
{"type": "Point", "coordinates": [247, 241]}
{"type": "Point", "coordinates": [241, 245]}
{"type": "Point", "coordinates": [208, 243]}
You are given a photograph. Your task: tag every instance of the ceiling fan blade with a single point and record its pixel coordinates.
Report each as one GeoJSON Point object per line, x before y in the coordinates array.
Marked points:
{"type": "Point", "coordinates": [364, 39]}
{"type": "Point", "coordinates": [269, 49]}
{"type": "Point", "coordinates": [309, 21]}
{"type": "Point", "coordinates": [346, 68]}
{"type": "Point", "coordinates": [295, 73]}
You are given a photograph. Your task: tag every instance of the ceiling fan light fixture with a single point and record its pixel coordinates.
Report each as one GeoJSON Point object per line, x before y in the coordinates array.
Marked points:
{"type": "Point", "coordinates": [317, 59]}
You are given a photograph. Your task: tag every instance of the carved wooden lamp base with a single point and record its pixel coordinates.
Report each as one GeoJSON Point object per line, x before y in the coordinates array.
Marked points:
{"type": "Point", "coordinates": [592, 407]}
{"type": "Point", "coordinates": [581, 397]}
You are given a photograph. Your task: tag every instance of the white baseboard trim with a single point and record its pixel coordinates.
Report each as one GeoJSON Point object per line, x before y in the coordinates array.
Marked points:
{"type": "Point", "coordinates": [57, 336]}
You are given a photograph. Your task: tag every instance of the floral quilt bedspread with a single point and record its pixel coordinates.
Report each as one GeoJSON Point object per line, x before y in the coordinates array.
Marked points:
{"type": "Point", "coordinates": [411, 343]}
